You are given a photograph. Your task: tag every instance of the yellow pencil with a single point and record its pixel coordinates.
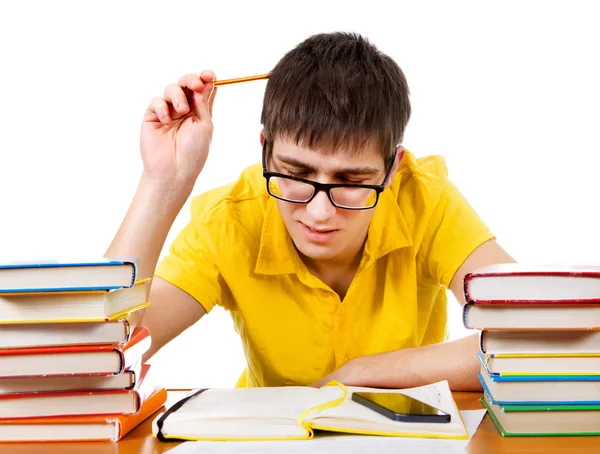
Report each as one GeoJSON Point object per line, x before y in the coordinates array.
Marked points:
{"type": "Point", "coordinates": [241, 79]}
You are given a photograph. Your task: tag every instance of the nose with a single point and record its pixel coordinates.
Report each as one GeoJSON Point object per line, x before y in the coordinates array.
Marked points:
{"type": "Point", "coordinates": [320, 208]}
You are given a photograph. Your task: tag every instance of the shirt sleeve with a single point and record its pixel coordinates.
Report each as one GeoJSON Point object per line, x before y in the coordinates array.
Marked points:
{"type": "Point", "coordinates": [192, 261]}
{"type": "Point", "coordinates": [453, 233]}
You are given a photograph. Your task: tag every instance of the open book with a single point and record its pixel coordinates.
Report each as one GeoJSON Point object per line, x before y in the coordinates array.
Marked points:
{"type": "Point", "coordinates": [294, 412]}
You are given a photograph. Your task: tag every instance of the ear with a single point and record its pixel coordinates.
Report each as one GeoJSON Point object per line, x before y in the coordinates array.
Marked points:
{"type": "Point", "coordinates": [400, 153]}
{"type": "Point", "coordinates": [262, 137]}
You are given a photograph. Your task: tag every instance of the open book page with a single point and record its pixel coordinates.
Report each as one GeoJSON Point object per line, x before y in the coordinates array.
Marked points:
{"type": "Point", "coordinates": [353, 417]}
{"type": "Point", "coordinates": [247, 412]}
{"type": "Point", "coordinates": [283, 402]}
{"type": "Point", "coordinates": [330, 443]}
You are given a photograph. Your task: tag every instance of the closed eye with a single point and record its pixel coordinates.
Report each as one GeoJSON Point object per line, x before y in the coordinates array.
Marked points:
{"type": "Point", "coordinates": [298, 173]}
{"type": "Point", "coordinates": [344, 179]}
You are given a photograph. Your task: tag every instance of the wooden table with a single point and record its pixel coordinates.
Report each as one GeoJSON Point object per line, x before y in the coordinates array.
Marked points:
{"type": "Point", "coordinates": [486, 440]}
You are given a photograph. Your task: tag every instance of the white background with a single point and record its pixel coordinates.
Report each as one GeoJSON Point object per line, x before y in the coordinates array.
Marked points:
{"type": "Point", "coordinates": [508, 92]}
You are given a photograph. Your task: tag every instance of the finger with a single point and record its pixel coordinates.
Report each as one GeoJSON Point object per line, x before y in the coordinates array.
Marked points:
{"type": "Point", "coordinates": [201, 108]}
{"type": "Point", "coordinates": [201, 98]}
{"type": "Point", "coordinates": [157, 110]}
{"type": "Point", "coordinates": [211, 100]}
{"type": "Point", "coordinates": [191, 81]}
{"type": "Point", "coordinates": [208, 78]}
{"type": "Point", "coordinates": [175, 95]}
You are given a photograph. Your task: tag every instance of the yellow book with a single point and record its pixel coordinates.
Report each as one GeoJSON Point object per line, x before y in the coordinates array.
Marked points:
{"type": "Point", "coordinates": [295, 412]}
{"type": "Point", "coordinates": [542, 364]}
{"type": "Point", "coordinates": [72, 306]}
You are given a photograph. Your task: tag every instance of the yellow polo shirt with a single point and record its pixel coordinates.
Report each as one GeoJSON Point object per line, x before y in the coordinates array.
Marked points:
{"type": "Point", "coordinates": [236, 252]}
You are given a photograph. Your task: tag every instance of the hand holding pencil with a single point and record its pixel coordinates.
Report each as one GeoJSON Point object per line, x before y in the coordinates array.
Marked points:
{"type": "Point", "coordinates": [177, 131]}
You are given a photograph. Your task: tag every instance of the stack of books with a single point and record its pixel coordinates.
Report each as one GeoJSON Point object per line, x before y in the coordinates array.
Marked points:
{"type": "Point", "coordinates": [70, 358]}
{"type": "Point", "coordinates": [540, 347]}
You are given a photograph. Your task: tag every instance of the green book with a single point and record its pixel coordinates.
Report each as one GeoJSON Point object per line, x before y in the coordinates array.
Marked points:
{"type": "Point", "coordinates": [544, 420]}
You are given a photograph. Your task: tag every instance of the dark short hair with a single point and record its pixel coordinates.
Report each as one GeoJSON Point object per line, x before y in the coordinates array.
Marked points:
{"type": "Point", "coordinates": [337, 90]}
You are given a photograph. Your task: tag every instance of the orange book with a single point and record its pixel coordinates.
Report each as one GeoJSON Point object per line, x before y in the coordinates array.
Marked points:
{"type": "Point", "coordinates": [81, 428]}
{"type": "Point", "coordinates": [74, 359]}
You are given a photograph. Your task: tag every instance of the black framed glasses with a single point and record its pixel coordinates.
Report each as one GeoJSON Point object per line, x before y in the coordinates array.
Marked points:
{"type": "Point", "coordinates": [349, 196]}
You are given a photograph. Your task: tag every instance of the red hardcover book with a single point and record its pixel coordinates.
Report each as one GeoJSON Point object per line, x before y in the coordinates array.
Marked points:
{"type": "Point", "coordinates": [75, 360]}
{"type": "Point", "coordinates": [129, 379]}
{"type": "Point", "coordinates": [53, 404]}
{"type": "Point", "coordinates": [514, 283]}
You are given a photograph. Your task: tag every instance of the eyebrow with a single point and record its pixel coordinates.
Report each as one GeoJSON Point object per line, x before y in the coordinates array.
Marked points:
{"type": "Point", "coordinates": [364, 170]}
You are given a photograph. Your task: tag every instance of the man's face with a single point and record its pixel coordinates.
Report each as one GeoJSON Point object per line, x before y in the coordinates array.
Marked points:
{"type": "Point", "coordinates": [319, 230]}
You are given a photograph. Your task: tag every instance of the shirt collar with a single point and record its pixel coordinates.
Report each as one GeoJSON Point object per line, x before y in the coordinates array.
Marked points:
{"type": "Point", "coordinates": [277, 253]}
{"type": "Point", "coordinates": [387, 232]}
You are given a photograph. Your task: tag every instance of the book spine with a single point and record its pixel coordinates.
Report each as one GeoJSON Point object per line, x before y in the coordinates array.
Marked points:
{"type": "Point", "coordinates": [483, 359]}
{"type": "Point", "coordinates": [466, 308]}
{"type": "Point", "coordinates": [133, 273]}
{"type": "Point", "coordinates": [466, 282]}
{"type": "Point", "coordinates": [481, 341]}
{"type": "Point", "coordinates": [121, 368]}
{"type": "Point", "coordinates": [138, 344]}
{"type": "Point", "coordinates": [148, 407]}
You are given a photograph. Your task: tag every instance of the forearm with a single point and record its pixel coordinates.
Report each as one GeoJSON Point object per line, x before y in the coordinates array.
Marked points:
{"type": "Point", "coordinates": [144, 230]}
{"type": "Point", "coordinates": [455, 361]}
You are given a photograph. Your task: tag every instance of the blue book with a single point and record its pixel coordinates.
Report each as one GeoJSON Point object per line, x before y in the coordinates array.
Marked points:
{"type": "Point", "coordinates": [59, 276]}
{"type": "Point", "coordinates": [540, 389]}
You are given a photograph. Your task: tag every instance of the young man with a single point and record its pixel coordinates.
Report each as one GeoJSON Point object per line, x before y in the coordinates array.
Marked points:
{"type": "Point", "coordinates": [335, 254]}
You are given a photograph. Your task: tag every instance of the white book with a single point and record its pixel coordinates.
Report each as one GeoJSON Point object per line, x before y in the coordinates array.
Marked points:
{"type": "Point", "coordinates": [540, 341]}
{"type": "Point", "coordinates": [23, 335]}
{"type": "Point", "coordinates": [52, 275]}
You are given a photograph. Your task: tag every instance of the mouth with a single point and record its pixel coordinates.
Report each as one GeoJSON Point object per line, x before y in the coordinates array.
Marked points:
{"type": "Point", "coordinates": [318, 235]}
